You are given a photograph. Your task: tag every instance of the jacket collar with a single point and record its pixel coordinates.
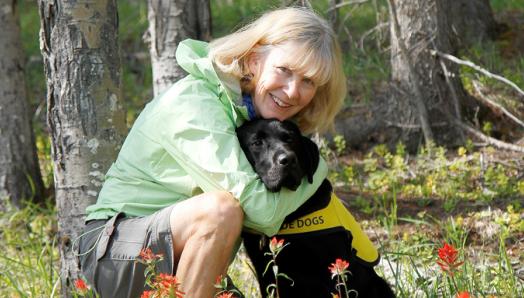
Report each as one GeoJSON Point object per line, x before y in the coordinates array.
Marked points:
{"type": "Point", "coordinates": [192, 56]}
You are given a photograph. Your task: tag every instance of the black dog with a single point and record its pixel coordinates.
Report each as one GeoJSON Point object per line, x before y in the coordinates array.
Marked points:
{"type": "Point", "coordinates": [281, 156]}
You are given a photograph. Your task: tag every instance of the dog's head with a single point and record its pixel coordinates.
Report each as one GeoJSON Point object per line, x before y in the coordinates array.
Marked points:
{"type": "Point", "coordinates": [278, 152]}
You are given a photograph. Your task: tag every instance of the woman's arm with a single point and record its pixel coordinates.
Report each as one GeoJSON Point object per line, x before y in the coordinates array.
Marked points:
{"type": "Point", "coordinates": [198, 131]}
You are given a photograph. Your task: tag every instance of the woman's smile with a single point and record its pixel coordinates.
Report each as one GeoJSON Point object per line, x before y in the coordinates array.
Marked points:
{"type": "Point", "coordinates": [279, 102]}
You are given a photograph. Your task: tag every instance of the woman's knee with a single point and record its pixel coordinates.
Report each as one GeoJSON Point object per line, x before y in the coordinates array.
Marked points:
{"type": "Point", "coordinates": [223, 210]}
{"type": "Point", "coordinates": [206, 214]}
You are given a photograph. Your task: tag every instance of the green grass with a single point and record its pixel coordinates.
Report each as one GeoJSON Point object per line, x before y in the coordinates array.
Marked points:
{"type": "Point", "coordinates": [487, 237]}
{"type": "Point", "coordinates": [29, 260]}
{"type": "Point", "coordinates": [502, 5]}
{"type": "Point", "coordinates": [484, 222]}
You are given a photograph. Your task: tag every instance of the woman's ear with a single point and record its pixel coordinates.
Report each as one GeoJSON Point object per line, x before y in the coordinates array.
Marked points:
{"type": "Point", "coordinates": [253, 63]}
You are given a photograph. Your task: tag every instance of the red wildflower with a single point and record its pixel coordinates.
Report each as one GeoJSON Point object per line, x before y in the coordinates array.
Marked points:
{"type": "Point", "coordinates": [448, 258]}
{"type": "Point", "coordinates": [464, 294]}
{"type": "Point", "coordinates": [81, 286]}
{"type": "Point", "coordinates": [146, 294]}
{"type": "Point", "coordinates": [339, 267]}
{"type": "Point", "coordinates": [218, 280]}
{"type": "Point", "coordinates": [168, 284]}
{"type": "Point", "coordinates": [276, 245]}
{"type": "Point", "coordinates": [147, 255]}
{"type": "Point", "coordinates": [225, 295]}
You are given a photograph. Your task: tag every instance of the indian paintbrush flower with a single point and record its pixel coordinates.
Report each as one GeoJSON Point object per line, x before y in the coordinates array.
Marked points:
{"type": "Point", "coordinates": [338, 268]}
{"type": "Point", "coordinates": [147, 256]}
{"type": "Point", "coordinates": [276, 245]}
{"type": "Point", "coordinates": [448, 259]}
{"type": "Point", "coordinates": [463, 294]}
{"type": "Point", "coordinates": [225, 295]}
{"type": "Point", "coordinates": [81, 287]}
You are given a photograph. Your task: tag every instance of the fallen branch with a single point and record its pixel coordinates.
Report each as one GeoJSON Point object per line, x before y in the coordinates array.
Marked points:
{"type": "Point", "coordinates": [495, 105]}
{"type": "Point", "coordinates": [369, 32]}
{"type": "Point", "coordinates": [478, 68]}
{"type": "Point", "coordinates": [414, 126]}
{"type": "Point", "coordinates": [454, 95]}
{"type": "Point", "coordinates": [488, 139]}
{"type": "Point", "coordinates": [473, 131]}
{"type": "Point", "coordinates": [346, 3]}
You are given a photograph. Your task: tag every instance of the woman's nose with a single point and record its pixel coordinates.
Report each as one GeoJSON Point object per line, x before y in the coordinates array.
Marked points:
{"type": "Point", "coordinates": [292, 88]}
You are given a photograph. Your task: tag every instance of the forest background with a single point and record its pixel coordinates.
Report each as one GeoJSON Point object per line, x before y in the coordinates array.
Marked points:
{"type": "Point", "coordinates": [411, 195]}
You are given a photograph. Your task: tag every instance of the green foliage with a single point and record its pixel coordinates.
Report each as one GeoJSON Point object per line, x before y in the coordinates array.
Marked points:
{"type": "Point", "coordinates": [433, 174]}
{"type": "Point", "coordinates": [229, 16]}
{"type": "Point", "coordinates": [29, 259]}
{"type": "Point", "coordinates": [137, 76]}
{"type": "Point", "coordinates": [43, 149]}
{"type": "Point", "coordinates": [500, 5]}
{"type": "Point", "coordinates": [461, 177]}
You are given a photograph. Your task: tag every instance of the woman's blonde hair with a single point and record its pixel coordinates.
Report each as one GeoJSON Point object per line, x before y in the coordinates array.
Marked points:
{"type": "Point", "coordinates": [318, 57]}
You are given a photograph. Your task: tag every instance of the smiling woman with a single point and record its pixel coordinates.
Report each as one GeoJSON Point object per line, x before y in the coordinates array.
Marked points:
{"type": "Point", "coordinates": [181, 184]}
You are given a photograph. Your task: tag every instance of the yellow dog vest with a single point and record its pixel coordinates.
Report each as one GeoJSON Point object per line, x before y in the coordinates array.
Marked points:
{"type": "Point", "coordinates": [334, 215]}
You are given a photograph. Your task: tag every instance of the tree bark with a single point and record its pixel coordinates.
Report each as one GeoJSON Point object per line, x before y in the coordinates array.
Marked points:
{"type": "Point", "coordinates": [413, 78]}
{"type": "Point", "coordinates": [391, 115]}
{"type": "Point", "coordinates": [171, 21]}
{"type": "Point", "coordinates": [472, 22]}
{"type": "Point", "coordinates": [78, 41]}
{"type": "Point", "coordinates": [425, 26]}
{"type": "Point", "coordinates": [20, 176]}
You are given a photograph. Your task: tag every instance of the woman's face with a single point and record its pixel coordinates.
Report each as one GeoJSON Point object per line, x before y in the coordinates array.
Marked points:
{"type": "Point", "coordinates": [280, 92]}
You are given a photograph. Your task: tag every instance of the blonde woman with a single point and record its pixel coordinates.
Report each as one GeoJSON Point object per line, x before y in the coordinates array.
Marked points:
{"type": "Point", "coordinates": [181, 184]}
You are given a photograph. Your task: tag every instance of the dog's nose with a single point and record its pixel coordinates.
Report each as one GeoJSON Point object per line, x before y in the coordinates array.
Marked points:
{"type": "Point", "coordinates": [283, 159]}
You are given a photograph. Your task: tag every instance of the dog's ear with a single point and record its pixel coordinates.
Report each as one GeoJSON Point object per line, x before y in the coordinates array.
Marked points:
{"type": "Point", "coordinates": [310, 158]}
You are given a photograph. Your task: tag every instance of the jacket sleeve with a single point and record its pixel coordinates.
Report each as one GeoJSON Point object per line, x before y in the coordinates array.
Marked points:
{"type": "Point", "coordinates": [197, 130]}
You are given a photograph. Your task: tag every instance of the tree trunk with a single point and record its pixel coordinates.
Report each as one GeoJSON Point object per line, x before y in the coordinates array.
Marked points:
{"type": "Point", "coordinates": [171, 21]}
{"type": "Point", "coordinates": [20, 176]}
{"type": "Point", "coordinates": [472, 21]}
{"type": "Point", "coordinates": [424, 25]}
{"type": "Point", "coordinates": [392, 116]}
{"type": "Point", "coordinates": [78, 41]}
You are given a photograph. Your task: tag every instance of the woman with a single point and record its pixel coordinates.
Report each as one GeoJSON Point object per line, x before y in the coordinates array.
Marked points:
{"type": "Point", "coordinates": [181, 184]}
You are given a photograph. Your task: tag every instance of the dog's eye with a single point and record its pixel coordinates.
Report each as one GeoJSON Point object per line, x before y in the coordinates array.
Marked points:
{"type": "Point", "coordinates": [287, 138]}
{"type": "Point", "coordinates": [256, 143]}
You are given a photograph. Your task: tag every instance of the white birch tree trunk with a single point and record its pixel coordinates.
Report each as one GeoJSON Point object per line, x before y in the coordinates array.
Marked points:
{"type": "Point", "coordinates": [79, 44]}
{"type": "Point", "coordinates": [171, 21]}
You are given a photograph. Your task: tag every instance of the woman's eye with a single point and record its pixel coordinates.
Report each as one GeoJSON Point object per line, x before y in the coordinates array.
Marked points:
{"type": "Point", "coordinates": [309, 82]}
{"type": "Point", "coordinates": [283, 69]}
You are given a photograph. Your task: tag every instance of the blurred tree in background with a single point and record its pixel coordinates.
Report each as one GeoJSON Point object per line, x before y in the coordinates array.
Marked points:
{"type": "Point", "coordinates": [20, 176]}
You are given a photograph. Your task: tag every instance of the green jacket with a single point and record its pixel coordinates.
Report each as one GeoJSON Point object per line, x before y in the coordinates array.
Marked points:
{"type": "Point", "coordinates": [184, 143]}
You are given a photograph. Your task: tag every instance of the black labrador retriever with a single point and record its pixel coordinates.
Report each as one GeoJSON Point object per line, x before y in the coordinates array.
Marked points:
{"type": "Point", "coordinates": [282, 157]}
